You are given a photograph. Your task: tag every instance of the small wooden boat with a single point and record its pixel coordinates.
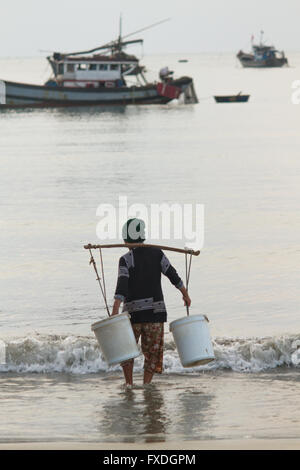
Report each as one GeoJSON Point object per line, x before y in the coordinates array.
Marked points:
{"type": "Point", "coordinates": [232, 98]}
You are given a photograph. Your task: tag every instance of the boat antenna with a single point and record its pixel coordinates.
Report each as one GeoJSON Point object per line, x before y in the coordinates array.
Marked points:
{"type": "Point", "coordinates": [261, 36]}
{"type": "Point", "coordinates": [120, 27]}
{"type": "Point", "coordinates": [147, 27]}
{"type": "Point", "coordinates": [120, 31]}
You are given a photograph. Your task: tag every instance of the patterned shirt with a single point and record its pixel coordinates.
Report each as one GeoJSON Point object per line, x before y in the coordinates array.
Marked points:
{"type": "Point", "coordinates": [139, 284]}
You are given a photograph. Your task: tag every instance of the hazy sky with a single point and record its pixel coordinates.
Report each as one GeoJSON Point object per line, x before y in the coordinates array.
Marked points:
{"type": "Point", "coordinates": [29, 26]}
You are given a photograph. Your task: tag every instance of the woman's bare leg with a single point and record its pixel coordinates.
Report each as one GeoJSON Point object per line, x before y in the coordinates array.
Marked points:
{"type": "Point", "coordinates": [128, 372]}
{"type": "Point", "coordinates": [147, 377]}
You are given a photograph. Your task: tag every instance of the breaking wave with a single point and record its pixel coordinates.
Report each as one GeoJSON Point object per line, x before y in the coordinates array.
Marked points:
{"type": "Point", "coordinates": [81, 355]}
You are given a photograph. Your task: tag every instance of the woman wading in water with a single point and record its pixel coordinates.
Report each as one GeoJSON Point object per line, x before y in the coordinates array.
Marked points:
{"type": "Point", "coordinates": [139, 288]}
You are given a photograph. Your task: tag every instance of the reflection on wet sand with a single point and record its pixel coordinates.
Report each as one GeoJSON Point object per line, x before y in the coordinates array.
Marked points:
{"type": "Point", "coordinates": [193, 414]}
{"type": "Point", "coordinates": [155, 415]}
{"type": "Point", "coordinates": [152, 414]}
{"type": "Point", "coordinates": [135, 413]}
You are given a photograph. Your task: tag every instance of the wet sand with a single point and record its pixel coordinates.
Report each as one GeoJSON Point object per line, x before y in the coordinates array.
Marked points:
{"type": "Point", "coordinates": [216, 410]}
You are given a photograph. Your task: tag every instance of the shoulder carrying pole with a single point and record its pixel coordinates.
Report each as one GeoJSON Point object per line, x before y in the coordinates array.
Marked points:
{"type": "Point", "coordinates": [146, 245]}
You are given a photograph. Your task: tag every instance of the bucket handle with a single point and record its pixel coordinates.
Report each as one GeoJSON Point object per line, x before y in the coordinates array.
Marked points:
{"type": "Point", "coordinates": [187, 277]}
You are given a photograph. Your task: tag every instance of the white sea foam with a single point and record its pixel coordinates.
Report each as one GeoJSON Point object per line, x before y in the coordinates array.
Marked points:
{"type": "Point", "coordinates": [81, 355]}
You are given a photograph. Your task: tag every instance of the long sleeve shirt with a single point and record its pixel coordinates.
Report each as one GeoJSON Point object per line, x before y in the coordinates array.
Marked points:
{"type": "Point", "coordinates": [139, 284]}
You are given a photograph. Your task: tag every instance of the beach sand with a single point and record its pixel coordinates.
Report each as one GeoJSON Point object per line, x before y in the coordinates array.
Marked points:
{"type": "Point", "coordinates": [235, 444]}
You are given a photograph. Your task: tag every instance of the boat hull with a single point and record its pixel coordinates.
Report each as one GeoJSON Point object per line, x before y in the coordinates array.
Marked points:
{"type": "Point", "coordinates": [22, 95]}
{"type": "Point", "coordinates": [248, 61]}
{"type": "Point", "coordinates": [232, 99]}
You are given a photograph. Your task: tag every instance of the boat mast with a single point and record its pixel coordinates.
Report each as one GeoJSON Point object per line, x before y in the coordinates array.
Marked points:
{"type": "Point", "coordinates": [120, 29]}
{"type": "Point", "coordinates": [261, 37]}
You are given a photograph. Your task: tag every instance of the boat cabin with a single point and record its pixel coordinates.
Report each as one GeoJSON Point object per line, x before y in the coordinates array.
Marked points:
{"type": "Point", "coordinates": [93, 71]}
{"type": "Point", "coordinates": [263, 52]}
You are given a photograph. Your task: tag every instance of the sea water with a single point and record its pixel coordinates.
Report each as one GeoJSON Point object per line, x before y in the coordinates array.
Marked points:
{"type": "Point", "coordinates": [241, 161]}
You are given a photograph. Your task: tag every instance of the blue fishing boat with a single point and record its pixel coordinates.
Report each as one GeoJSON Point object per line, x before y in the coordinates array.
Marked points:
{"type": "Point", "coordinates": [262, 56]}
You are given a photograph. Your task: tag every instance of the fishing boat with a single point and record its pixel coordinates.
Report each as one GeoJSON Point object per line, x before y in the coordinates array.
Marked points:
{"type": "Point", "coordinates": [262, 56]}
{"type": "Point", "coordinates": [239, 98]}
{"type": "Point", "coordinates": [99, 76]}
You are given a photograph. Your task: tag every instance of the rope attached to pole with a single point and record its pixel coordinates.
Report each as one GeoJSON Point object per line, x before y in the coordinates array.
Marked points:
{"type": "Point", "coordinates": [187, 276]}
{"type": "Point", "coordinates": [93, 262]}
{"type": "Point", "coordinates": [102, 269]}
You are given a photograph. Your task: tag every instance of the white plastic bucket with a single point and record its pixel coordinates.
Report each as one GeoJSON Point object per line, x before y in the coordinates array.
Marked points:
{"type": "Point", "coordinates": [192, 339]}
{"type": "Point", "coordinates": [116, 338]}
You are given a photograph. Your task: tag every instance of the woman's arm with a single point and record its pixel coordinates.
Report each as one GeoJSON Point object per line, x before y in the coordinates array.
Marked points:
{"type": "Point", "coordinates": [116, 306]}
{"type": "Point", "coordinates": [185, 296]}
